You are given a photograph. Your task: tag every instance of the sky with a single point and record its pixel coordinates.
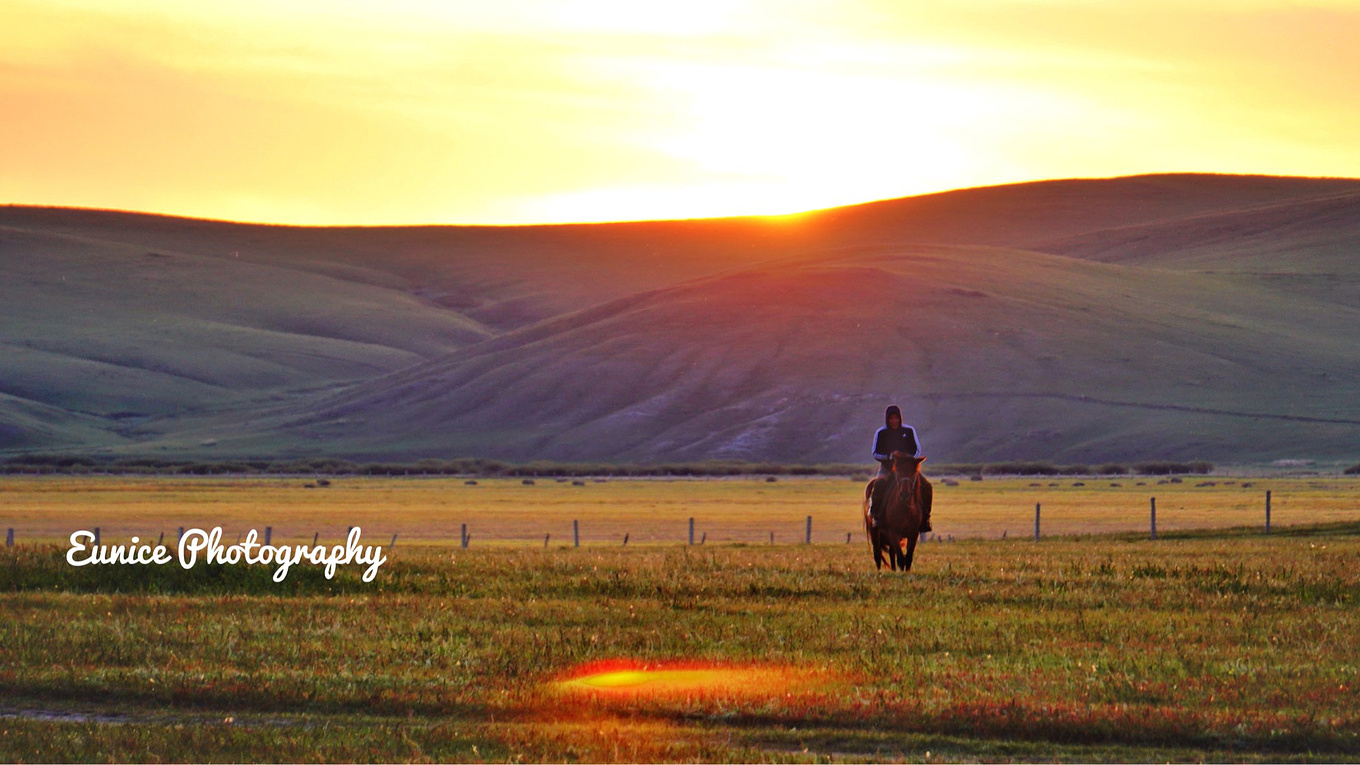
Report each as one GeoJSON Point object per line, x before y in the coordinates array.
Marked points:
{"type": "Point", "coordinates": [535, 111]}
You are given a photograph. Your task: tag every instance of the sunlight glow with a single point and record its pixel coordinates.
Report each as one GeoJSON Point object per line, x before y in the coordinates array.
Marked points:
{"type": "Point", "coordinates": [622, 679]}
{"type": "Point", "coordinates": [526, 111]}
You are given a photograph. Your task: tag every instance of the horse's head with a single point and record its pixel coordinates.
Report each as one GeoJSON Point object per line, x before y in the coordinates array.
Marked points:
{"type": "Point", "coordinates": [906, 466]}
{"type": "Point", "coordinates": [904, 506]}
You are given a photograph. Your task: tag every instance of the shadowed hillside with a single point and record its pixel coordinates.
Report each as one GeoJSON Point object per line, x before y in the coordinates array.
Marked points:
{"type": "Point", "coordinates": [996, 354]}
{"type": "Point", "coordinates": [1153, 317]}
{"type": "Point", "coordinates": [123, 333]}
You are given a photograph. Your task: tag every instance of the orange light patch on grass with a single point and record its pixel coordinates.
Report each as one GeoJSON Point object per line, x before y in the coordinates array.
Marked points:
{"type": "Point", "coordinates": [623, 679]}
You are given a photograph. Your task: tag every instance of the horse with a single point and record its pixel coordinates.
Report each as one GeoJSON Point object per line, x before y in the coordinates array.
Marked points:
{"type": "Point", "coordinates": [904, 503]}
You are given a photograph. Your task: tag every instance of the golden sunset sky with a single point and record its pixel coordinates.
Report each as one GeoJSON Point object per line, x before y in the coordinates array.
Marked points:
{"type": "Point", "coordinates": [520, 111]}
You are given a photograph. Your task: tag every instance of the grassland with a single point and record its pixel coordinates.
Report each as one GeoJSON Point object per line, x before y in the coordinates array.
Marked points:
{"type": "Point", "coordinates": [1205, 644]}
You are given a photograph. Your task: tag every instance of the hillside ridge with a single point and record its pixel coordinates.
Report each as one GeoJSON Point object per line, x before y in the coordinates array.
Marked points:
{"type": "Point", "coordinates": [1172, 315]}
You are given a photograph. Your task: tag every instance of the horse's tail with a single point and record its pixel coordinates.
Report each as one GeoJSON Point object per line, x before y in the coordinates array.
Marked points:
{"type": "Point", "coordinates": [868, 522]}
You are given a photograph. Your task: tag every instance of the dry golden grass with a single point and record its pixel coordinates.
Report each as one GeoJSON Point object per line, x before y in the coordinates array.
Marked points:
{"type": "Point", "coordinates": [507, 512]}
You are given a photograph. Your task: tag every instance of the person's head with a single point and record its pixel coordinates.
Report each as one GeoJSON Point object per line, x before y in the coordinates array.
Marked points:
{"type": "Point", "coordinates": [893, 417]}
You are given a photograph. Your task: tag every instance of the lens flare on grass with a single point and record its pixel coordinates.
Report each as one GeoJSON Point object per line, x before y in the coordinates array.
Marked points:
{"type": "Point", "coordinates": [624, 679]}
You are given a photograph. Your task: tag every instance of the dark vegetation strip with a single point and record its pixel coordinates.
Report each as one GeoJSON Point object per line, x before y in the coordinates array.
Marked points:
{"type": "Point", "coordinates": [324, 741]}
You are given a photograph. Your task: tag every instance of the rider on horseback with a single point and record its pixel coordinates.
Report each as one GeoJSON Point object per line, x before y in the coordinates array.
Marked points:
{"type": "Point", "coordinates": [893, 437]}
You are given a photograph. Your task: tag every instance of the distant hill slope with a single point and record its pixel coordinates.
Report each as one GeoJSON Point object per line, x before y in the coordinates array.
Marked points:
{"type": "Point", "coordinates": [94, 331]}
{"type": "Point", "coordinates": [1028, 215]}
{"type": "Point", "coordinates": [1158, 316]}
{"type": "Point", "coordinates": [995, 353]}
{"type": "Point", "coordinates": [1317, 234]}
{"type": "Point", "coordinates": [501, 276]}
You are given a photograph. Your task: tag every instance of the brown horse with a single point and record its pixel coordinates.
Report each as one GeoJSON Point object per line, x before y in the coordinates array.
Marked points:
{"type": "Point", "coordinates": [904, 506]}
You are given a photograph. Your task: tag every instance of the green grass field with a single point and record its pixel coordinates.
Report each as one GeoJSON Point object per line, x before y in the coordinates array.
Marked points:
{"type": "Point", "coordinates": [1214, 642]}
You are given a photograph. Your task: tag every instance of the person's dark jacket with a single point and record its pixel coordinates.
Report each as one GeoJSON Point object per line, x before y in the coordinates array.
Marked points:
{"type": "Point", "coordinates": [888, 440]}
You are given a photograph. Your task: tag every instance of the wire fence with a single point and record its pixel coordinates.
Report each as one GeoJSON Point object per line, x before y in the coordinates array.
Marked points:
{"type": "Point", "coordinates": [524, 531]}
{"type": "Point", "coordinates": [458, 513]}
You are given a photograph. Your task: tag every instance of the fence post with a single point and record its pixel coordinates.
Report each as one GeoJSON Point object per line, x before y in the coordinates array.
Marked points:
{"type": "Point", "coordinates": [1154, 517]}
{"type": "Point", "coordinates": [1267, 511]}
{"type": "Point", "coordinates": [268, 534]}
{"type": "Point", "coordinates": [9, 538]}
{"type": "Point", "coordinates": [625, 539]}
{"type": "Point", "coordinates": [180, 535]}
{"type": "Point", "coordinates": [771, 537]}
{"type": "Point", "coordinates": [1036, 521]}
{"type": "Point", "coordinates": [394, 541]}
{"type": "Point", "coordinates": [545, 540]}
{"type": "Point", "coordinates": [575, 533]}
{"type": "Point", "coordinates": [96, 536]}
{"type": "Point", "coordinates": [465, 536]}
{"type": "Point", "coordinates": [704, 538]}
{"type": "Point", "coordinates": [691, 531]}
{"type": "Point", "coordinates": [315, 537]}
{"type": "Point", "coordinates": [807, 538]}
{"type": "Point", "coordinates": [161, 542]}
{"type": "Point", "coordinates": [847, 538]}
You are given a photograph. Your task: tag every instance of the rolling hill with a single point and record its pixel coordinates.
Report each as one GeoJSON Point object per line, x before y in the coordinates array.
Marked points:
{"type": "Point", "coordinates": [1176, 316]}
